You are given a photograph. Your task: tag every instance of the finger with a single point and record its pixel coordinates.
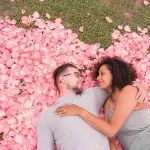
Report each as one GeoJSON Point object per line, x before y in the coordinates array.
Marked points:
{"type": "Point", "coordinates": [60, 110]}
{"type": "Point", "coordinates": [61, 113]}
{"type": "Point", "coordinates": [136, 108]}
{"type": "Point", "coordinates": [146, 100]}
{"type": "Point", "coordinates": [138, 95]}
{"type": "Point", "coordinates": [70, 103]}
{"type": "Point", "coordinates": [61, 107]}
{"type": "Point", "coordinates": [141, 106]}
{"type": "Point", "coordinates": [141, 99]}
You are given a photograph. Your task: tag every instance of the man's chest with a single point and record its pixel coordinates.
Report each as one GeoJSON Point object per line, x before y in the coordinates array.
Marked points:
{"type": "Point", "coordinates": [74, 124]}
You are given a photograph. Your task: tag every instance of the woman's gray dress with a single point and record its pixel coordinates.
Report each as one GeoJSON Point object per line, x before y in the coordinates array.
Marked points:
{"type": "Point", "coordinates": [135, 133]}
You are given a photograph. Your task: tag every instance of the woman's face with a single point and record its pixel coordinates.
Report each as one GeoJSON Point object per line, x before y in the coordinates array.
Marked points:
{"type": "Point", "coordinates": [104, 78]}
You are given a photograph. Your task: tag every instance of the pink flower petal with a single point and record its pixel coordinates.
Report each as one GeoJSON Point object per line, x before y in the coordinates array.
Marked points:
{"type": "Point", "coordinates": [108, 19]}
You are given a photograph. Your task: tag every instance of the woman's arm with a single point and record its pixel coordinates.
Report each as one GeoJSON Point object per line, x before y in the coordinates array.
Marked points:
{"type": "Point", "coordinates": [124, 106]}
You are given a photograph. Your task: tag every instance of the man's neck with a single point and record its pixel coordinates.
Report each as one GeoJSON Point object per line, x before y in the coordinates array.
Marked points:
{"type": "Point", "coordinates": [66, 92]}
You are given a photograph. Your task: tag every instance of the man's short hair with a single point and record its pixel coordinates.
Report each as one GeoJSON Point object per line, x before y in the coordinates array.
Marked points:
{"type": "Point", "coordinates": [58, 71]}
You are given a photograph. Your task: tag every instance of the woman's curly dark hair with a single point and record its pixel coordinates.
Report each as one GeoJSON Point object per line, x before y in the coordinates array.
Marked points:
{"type": "Point", "coordinates": [122, 72]}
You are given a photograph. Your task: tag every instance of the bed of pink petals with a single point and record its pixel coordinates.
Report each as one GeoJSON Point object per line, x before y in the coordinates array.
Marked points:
{"type": "Point", "coordinates": [28, 59]}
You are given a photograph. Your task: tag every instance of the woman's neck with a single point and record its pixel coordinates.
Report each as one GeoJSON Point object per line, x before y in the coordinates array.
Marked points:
{"type": "Point", "coordinates": [114, 96]}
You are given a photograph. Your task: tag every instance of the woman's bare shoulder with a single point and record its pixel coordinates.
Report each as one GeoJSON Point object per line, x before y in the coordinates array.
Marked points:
{"type": "Point", "coordinates": [128, 88]}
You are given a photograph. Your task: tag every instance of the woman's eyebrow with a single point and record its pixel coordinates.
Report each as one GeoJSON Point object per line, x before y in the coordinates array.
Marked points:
{"type": "Point", "coordinates": [101, 71]}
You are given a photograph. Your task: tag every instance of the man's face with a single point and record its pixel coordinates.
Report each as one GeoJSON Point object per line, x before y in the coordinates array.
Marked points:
{"type": "Point", "coordinates": [72, 79]}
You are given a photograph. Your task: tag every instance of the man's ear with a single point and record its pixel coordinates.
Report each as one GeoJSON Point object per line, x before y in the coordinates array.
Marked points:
{"type": "Point", "coordinates": [62, 81]}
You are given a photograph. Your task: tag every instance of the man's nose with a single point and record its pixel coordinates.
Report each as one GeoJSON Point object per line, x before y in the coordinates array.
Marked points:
{"type": "Point", "coordinates": [98, 78]}
{"type": "Point", "coordinates": [82, 78]}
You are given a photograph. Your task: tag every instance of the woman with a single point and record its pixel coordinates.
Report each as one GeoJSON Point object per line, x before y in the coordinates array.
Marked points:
{"type": "Point", "coordinates": [132, 127]}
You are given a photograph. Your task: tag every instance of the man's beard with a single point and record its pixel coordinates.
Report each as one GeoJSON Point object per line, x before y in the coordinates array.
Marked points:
{"type": "Point", "coordinates": [78, 91]}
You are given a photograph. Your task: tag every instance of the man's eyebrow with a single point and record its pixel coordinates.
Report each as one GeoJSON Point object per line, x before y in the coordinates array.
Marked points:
{"type": "Point", "coordinates": [81, 70]}
{"type": "Point", "coordinates": [76, 72]}
{"type": "Point", "coordinates": [67, 74]}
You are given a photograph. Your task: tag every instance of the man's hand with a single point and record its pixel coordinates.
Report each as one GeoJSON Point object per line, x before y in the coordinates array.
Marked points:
{"type": "Point", "coordinates": [142, 92]}
{"type": "Point", "coordinates": [140, 106]}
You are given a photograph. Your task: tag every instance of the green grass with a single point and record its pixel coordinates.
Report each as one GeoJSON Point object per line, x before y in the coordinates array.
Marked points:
{"type": "Point", "coordinates": [88, 13]}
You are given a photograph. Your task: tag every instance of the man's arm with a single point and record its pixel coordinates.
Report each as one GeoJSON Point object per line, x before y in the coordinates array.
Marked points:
{"type": "Point", "coordinates": [142, 92]}
{"type": "Point", "coordinates": [101, 96]}
{"type": "Point", "coordinates": [45, 140]}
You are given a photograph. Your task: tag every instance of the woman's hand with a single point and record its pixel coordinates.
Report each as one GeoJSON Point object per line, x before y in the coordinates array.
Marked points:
{"type": "Point", "coordinates": [69, 110]}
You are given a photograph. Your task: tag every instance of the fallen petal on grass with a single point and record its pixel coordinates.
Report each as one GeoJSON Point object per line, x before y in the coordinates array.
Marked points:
{"type": "Point", "coordinates": [127, 28]}
{"type": "Point", "coordinates": [146, 2]}
{"type": "Point", "coordinates": [108, 19]}
{"type": "Point", "coordinates": [48, 15]}
{"type": "Point", "coordinates": [23, 11]}
{"type": "Point", "coordinates": [120, 27]}
{"type": "Point", "coordinates": [81, 29]}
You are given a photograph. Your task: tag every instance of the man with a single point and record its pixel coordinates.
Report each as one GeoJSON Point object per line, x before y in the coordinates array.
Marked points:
{"type": "Point", "coordinates": [71, 133]}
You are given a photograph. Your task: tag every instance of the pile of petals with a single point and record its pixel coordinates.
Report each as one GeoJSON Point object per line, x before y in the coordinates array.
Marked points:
{"type": "Point", "coordinates": [28, 59]}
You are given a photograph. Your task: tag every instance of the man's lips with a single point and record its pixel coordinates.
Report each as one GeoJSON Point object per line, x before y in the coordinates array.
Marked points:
{"type": "Point", "coordinates": [100, 83]}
